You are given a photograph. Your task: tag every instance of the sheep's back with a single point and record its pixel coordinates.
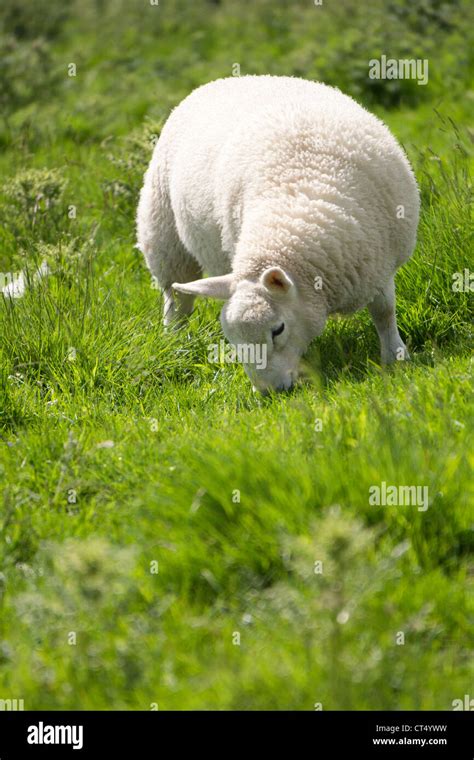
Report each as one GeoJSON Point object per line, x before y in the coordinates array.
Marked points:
{"type": "Point", "coordinates": [235, 143]}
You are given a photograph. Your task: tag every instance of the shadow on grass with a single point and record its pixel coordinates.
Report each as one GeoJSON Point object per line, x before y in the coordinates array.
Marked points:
{"type": "Point", "coordinates": [349, 350]}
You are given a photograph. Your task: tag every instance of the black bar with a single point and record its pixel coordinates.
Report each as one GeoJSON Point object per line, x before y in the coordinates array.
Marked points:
{"type": "Point", "coordinates": [154, 734]}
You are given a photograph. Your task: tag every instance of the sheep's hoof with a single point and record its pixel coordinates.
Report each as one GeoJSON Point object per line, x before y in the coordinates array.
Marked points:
{"type": "Point", "coordinates": [398, 354]}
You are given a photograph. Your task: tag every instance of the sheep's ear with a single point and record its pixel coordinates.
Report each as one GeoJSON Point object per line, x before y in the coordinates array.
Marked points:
{"type": "Point", "coordinates": [211, 287]}
{"type": "Point", "coordinates": [276, 281]}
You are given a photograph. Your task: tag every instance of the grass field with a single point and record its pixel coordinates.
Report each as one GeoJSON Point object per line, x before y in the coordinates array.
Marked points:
{"type": "Point", "coordinates": [170, 539]}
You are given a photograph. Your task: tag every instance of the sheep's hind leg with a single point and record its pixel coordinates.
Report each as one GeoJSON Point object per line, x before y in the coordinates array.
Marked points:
{"type": "Point", "coordinates": [382, 311]}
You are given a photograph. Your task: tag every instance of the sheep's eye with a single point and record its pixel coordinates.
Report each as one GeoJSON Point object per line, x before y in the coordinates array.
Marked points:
{"type": "Point", "coordinates": [278, 330]}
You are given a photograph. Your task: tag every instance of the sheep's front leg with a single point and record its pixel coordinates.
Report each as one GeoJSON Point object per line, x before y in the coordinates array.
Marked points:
{"type": "Point", "coordinates": [382, 311]}
{"type": "Point", "coordinates": [166, 257]}
{"type": "Point", "coordinates": [176, 306]}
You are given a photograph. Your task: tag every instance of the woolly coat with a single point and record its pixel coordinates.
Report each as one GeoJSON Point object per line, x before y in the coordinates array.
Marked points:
{"type": "Point", "coordinates": [256, 171]}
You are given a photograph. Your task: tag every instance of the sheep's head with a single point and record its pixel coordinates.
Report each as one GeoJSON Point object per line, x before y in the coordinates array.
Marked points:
{"type": "Point", "coordinates": [262, 323]}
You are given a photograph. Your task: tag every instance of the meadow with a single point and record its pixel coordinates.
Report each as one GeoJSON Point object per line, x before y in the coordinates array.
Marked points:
{"type": "Point", "coordinates": [169, 539]}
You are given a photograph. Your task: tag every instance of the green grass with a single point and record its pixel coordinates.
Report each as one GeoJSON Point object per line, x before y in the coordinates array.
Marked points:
{"type": "Point", "coordinates": [168, 537]}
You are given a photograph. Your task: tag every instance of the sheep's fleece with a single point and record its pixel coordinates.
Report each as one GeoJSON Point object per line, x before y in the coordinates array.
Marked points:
{"type": "Point", "coordinates": [294, 199]}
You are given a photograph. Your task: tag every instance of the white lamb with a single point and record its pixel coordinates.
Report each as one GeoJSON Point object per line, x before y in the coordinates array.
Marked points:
{"type": "Point", "coordinates": [298, 202]}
